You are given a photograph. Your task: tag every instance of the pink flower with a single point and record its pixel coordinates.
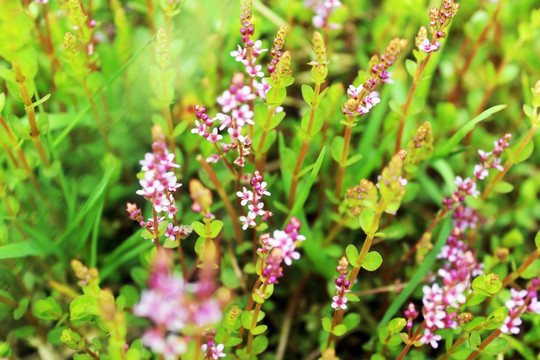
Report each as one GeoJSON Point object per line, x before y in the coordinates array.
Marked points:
{"type": "Point", "coordinates": [214, 158]}
{"type": "Point", "coordinates": [511, 325]}
{"type": "Point", "coordinates": [517, 299]}
{"type": "Point", "coordinates": [480, 172]}
{"type": "Point", "coordinates": [214, 137]}
{"type": "Point", "coordinates": [428, 47]}
{"type": "Point", "coordinates": [171, 231]}
{"type": "Point", "coordinates": [339, 302]}
{"type": "Point", "coordinates": [216, 352]}
{"type": "Point", "coordinates": [354, 91]}
{"type": "Point", "coordinates": [430, 338]}
{"type": "Point", "coordinates": [245, 196]}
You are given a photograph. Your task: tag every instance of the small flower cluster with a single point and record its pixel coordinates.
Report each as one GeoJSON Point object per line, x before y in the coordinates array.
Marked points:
{"type": "Point", "coordinates": [248, 55]}
{"type": "Point", "coordinates": [343, 285]}
{"type": "Point", "coordinates": [233, 100]}
{"type": "Point", "coordinates": [518, 304]}
{"type": "Point", "coordinates": [467, 186]}
{"type": "Point", "coordinates": [159, 184]}
{"type": "Point", "coordinates": [213, 351]}
{"type": "Point", "coordinates": [253, 200]}
{"type": "Point", "coordinates": [411, 313]}
{"type": "Point", "coordinates": [491, 159]}
{"type": "Point", "coordinates": [323, 9]}
{"type": "Point", "coordinates": [386, 195]}
{"type": "Point", "coordinates": [276, 54]}
{"type": "Point", "coordinates": [439, 20]}
{"type": "Point", "coordinates": [174, 307]}
{"type": "Point", "coordinates": [280, 248]}
{"type": "Point", "coordinates": [363, 98]}
{"type": "Point", "coordinates": [440, 303]}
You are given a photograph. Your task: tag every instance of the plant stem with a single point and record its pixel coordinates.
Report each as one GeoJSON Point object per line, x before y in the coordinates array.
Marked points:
{"type": "Point", "coordinates": [31, 115]}
{"type": "Point", "coordinates": [254, 321]}
{"type": "Point", "coordinates": [344, 155]}
{"type": "Point", "coordinates": [156, 229]}
{"type": "Point", "coordinates": [262, 157]}
{"type": "Point", "coordinates": [305, 145]}
{"type": "Point", "coordinates": [407, 104]}
{"type": "Point", "coordinates": [223, 195]}
{"type": "Point", "coordinates": [411, 341]}
{"type": "Point", "coordinates": [167, 110]}
{"type": "Point", "coordinates": [338, 314]}
{"type": "Point", "coordinates": [509, 162]}
{"type": "Point", "coordinates": [249, 306]}
{"type": "Point", "coordinates": [484, 343]}
{"type": "Point", "coordinates": [514, 275]}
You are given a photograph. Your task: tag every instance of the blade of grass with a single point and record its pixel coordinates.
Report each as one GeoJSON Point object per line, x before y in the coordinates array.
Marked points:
{"type": "Point", "coordinates": [42, 241]}
{"type": "Point", "coordinates": [302, 197]}
{"type": "Point", "coordinates": [426, 265]}
{"type": "Point", "coordinates": [22, 249]}
{"type": "Point", "coordinates": [95, 234]}
{"type": "Point", "coordinates": [449, 145]}
{"type": "Point", "coordinates": [134, 252]}
{"type": "Point", "coordinates": [90, 204]}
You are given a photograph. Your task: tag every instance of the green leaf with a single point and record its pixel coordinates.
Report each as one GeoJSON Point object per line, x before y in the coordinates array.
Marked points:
{"type": "Point", "coordinates": [351, 321]}
{"type": "Point", "coordinates": [532, 270]}
{"type": "Point", "coordinates": [20, 127]}
{"type": "Point", "coordinates": [327, 324]}
{"type": "Point", "coordinates": [47, 309]}
{"type": "Point", "coordinates": [537, 240]}
{"type": "Point", "coordinates": [2, 101]}
{"type": "Point", "coordinates": [43, 123]}
{"type": "Point", "coordinates": [411, 67]}
{"type": "Point", "coordinates": [354, 159]}
{"type": "Point", "coordinates": [83, 307]}
{"type": "Point", "coordinates": [352, 255]}
{"type": "Point", "coordinates": [339, 330]}
{"type": "Point", "coordinates": [449, 145]}
{"type": "Point", "coordinates": [367, 216]}
{"type": "Point", "coordinates": [396, 107]}
{"type": "Point", "coordinates": [199, 228]}
{"type": "Point", "coordinates": [215, 228]}
{"type": "Point", "coordinates": [396, 325]}
{"type": "Point", "coordinates": [475, 340]}
{"type": "Point", "coordinates": [259, 329]}
{"type": "Point", "coordinates": [372, 261]}
{"type": "Point", "coordinates": [336, 149]}
{"type": "Point", "coordinates": [503, 187]}
{"type": "Point", "coordinates": [475, 322]}
{"type": "Point", "coordinates": [476, 299]}
{"type": "Point", "coordinates": [170, 244]}
{"type": "Point", "coordinates": [495, 347]}
{"type": "Point", "coordinates": [39, 102]}
{"type": "Point", "coordinates": [526, 153]}
{"type": "Point", "coordinates": [260, 343]}
{"type": "Point", "coordinates": [307, 93]}
{"type": "Point", "coordinates": [21, 309]}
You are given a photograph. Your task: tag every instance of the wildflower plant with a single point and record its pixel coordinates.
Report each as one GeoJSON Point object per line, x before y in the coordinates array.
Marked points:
{"type": "Point", "coordinates": [246, 180]}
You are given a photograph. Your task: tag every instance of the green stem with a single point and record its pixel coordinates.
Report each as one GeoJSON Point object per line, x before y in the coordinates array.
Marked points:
{"type": "Point", "coordinates": [406, 106]}
{"type": "Point", "coordinates": [224, 198]}
{"type": "Point", "coordinates": [31, 115]}
{"type": "Point", "coordinates": [338, 314]}
{"type": "Point", "coordinates": [305, 145]}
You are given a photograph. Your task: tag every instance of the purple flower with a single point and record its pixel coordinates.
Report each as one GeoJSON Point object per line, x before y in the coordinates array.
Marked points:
{"type": "Point", "coordinates": [511, 325]}
{"type": "Point", "coordinates": [428, 47]}
{"type": "Point", "coordinates": [339, 302]}
{"type": "Point", "coordinates": [430, 338]}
